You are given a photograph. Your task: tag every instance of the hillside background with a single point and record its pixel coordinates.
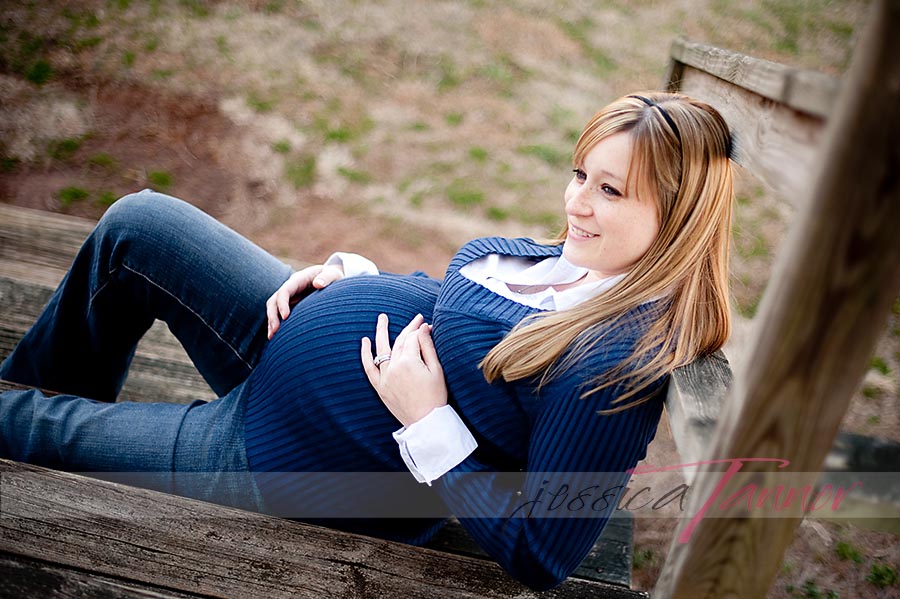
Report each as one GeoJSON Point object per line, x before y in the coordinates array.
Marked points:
{"type": "Point", "coordinates": [399, 130]}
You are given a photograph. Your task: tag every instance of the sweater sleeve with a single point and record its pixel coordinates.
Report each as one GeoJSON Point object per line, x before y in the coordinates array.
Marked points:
{"type": "Point", "coordinates": [541, 524]}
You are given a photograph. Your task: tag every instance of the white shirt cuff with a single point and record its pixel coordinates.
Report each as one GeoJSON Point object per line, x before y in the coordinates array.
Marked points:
{"type": "Point", "coordinates": [432, 446]}
{"type": "Point", "coordinates": [353, 264]}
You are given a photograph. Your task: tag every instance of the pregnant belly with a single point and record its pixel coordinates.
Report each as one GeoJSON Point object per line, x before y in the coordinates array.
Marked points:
{"type": "Point", "coordinates": [310, 406]}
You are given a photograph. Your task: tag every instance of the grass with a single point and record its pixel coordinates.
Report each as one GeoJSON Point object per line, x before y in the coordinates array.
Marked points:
{"type": "Point", "coordinates": [880, 365]}
{"type": "Point", "coordinates": [160, 179]}
{"type": "Point", "coordinates": [103, 161]}
{"type": "Point", "coordinates": [478, 154]}
{"type": "Point", "coordinates": [301, 173]}
{"type": "Point", "coordinates": [69, 195]}
{"type": "Point", "coordinates": [354, 176]}
{"type": "Point", "coordinates": [63, 149]}
{"type": "Point", "coordinates": [282, 146]}
{"type": "Point", "coordinates": [552, 156]}
{"type": "Point", "coordinates": [462, 195]}
{"type": "Point", "coordinates": [641, 558]}
{"type": "Point", "coordinates": [882, 576]}
{"type": "Point", "coordinates": [846, 551]}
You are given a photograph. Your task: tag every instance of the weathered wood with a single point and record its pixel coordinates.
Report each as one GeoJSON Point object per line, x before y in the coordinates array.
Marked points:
{"type": "Point", "coordinates": [777, 123]}
{"type": "Point", "coordinates": [196, 547]}
{"type": "Point", "coordinates": [609, 561]}
{"type": "Point", "coordinates": [22, 577]}
{"type": "Point", "coordinates": [818, 324]}
{"type": "Point", "coordinates": [693, 402]}
{"type": "Point", "coordinates": [806, 91]}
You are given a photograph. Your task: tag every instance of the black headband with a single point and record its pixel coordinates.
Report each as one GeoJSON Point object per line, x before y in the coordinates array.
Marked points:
{"type": "Point", "coordinates": [662, 111]}
{"type": "Point", "coordinates": [729, 139]}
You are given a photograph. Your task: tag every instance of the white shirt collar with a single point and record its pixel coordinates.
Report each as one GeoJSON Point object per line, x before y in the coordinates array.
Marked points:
{"type": "Point", "coordinates": [497, 272]}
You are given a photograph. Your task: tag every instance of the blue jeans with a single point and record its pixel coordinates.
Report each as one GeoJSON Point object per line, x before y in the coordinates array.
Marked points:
{"type": "Point", "coordinates": [150, 257]}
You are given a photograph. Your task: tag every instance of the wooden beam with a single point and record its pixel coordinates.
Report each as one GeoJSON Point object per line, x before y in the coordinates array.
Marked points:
{"type": "Point", "coordinates": [818, 325]}
{"type": "Point", "coordinates": [777, 114]}
{"type": "Point", "coordinates": [806, 91]}
{"type": "Point", "coordinates": [189, 546]}
{"type": "Point", "coordinates": [693, 403]}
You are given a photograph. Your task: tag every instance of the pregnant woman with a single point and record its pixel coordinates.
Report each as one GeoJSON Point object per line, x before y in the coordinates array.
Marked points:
{"type": "Point", "coordinates": [515, 394]}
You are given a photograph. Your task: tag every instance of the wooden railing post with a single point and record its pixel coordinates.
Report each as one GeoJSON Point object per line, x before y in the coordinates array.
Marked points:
{"type": "Point", "coordinates": [816, 329]}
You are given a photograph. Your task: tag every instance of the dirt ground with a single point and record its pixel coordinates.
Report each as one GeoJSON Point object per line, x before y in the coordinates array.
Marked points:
{"type": "Point", "coordinates": [313, 126]}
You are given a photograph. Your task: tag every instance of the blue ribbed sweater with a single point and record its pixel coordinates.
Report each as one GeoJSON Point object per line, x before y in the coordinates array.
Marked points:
{"type": "Point", "coordinates": [310, 409]}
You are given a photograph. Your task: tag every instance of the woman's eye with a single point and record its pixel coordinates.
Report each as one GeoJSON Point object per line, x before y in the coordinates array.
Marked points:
{"type": "Point", "coordinates": [612, 191]}
{"type": "Point", "coordinates": [580, 175]}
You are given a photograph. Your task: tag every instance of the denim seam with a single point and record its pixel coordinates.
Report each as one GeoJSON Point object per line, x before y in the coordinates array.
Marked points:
{"type": "Point", "coordinates": [189, 309]}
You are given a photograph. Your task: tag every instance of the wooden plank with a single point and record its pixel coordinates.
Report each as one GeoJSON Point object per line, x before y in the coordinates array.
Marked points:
{"type": "Point", "coordinates": [818, 325]}
{"type": "Point", "coordinates": [609, 561]}
{"type": "Point", "coordinates": [806, 91]}
{"type": "Point", "coordinates": [23, 577]}
{"type": "Point", "coordinates": [776, 143]}
{"type": "Point", "coordinates": [196, 547]}
{"type": "Point", "coordinates": [693, 401]}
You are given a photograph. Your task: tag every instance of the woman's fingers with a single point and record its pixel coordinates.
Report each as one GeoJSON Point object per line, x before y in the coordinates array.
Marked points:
{"type": "Point", "coordinates": [382, 341]}
{"type": "Point", "coordinates": [327, 276]}
{"type": "Point", "coordinates": [401, 344]}
{"type": "Point", "coordinates": [426, 346]}
{"type": "Point", "coordinates": [368, 362]}
{"type": "Point", "coordinates": [278, 306]}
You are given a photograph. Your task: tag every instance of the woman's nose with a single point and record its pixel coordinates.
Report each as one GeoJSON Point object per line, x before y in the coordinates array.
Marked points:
{"type": "Point", "coordinates": [577, 205]}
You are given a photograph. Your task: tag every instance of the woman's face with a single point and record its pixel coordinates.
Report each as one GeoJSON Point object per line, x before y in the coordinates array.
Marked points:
{"type": "Point", "coordinates": [608, 231]}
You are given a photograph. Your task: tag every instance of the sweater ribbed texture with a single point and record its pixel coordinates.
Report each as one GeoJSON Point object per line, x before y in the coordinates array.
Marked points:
{"type": "Point", "coordinates": [311, 409]}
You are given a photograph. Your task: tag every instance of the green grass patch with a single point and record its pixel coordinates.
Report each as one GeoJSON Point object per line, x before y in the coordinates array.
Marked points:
{"type": "Point", "coordinates": [106, 198]}
{"type": "Point", "coordinates": [151, 44]}
{"type": "Point", "coordinates": [810, 590]}
{"type": "Point", "coordinates": [478, 154]}
{"type": "Point", "coordinates": [162, 74]}
{"type": "Point", "coordinates": [846, 551]}
{"type": "Point", "coordinates": [419, 126]}
{"type": "Point", "coordinates": [448, 75]}
{"type": "Point", "coordinates": [160, 179]}
{"type": "Point", "coordinates": [301, 173]}
{"type": "Point", "coordinates": [870, 392]}
{"type": "Point", "coordinates": [128, 59]}
{"type": "Point", "coordinates": [102, 160]}
{"type": "Point", "coordinates": [69, 195]}
{"type": "Point", "coordinates": [39, 73]}
{"type": "Point", "coordinates": [496, 213]}
{"type": "Point", "coordinates": [454, 119]}
{"type": "Point", "coordinates": [873, 420]}
{"type": "Point", "coordinates": [9, 164]}
{"type": "Point", "coordinates": [882, 576]}
{"type": "Point", "coordinates": [282, 146]}
{"type": "Point", "coordinates": [63, 149]}
{"type": "Point", "coordinates": [880, 364]}
{"type": "Point", "coordinates": [462, 194]}
{"type": "Point", "coordinates": [197, 8]}
{"type": "Point", "coordinates": [552, 156]}
{"type": "Point", "coordinates": [354, 176]}
{"type": "Point", "coordinates": [641, 558]}
{"type": "Point", "coordinates": [259, 104]}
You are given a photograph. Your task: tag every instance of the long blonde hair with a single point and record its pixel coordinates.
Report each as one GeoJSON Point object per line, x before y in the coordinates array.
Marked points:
{"type": "Point", "coordinates": [681, 149]}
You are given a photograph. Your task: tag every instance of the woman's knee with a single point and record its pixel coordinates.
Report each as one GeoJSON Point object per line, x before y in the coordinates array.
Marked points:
{"type": "Point", "coordinates": [145, 217]}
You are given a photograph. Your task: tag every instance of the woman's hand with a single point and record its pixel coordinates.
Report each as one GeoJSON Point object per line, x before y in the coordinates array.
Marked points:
{"type": "Point", "coordinates": [278, 307]}
{"type": "Point", "coordinates": [410, 383]}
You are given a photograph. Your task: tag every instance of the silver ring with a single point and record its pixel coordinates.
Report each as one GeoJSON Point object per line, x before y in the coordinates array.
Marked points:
{"type": "Point", "coordinates": [379, 360]}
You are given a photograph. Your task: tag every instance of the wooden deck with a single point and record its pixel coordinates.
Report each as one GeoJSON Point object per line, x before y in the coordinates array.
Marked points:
{"type": "Point", "coordinates": [63, 535]}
